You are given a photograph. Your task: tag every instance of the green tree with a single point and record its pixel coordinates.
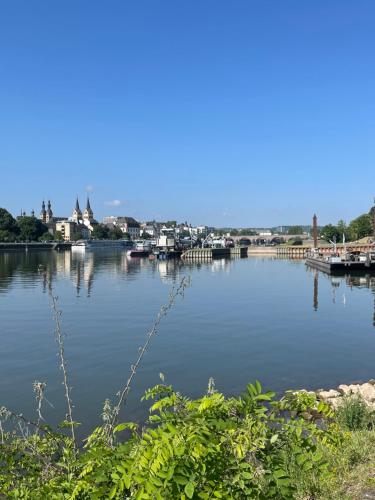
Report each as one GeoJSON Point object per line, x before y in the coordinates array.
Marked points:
{"type": "Point", "coordinates": [342, 229]}
{"type": "Point", "coordinates": [330, 232]}
{"type": "Point", "coordinates": [77, 236]}
{"type": "Point", "coordinates": [115, 233]}
{"type": "Point", "coordinates": [8, 226]}
{"type": "Point", "coordinates": [58, 236]}
{"type": "Point", "coordinates": [46, 237]}
{"type": "Point", "coordinates": [360, 227]}
{"type": "Point", "coordinates": [295, 230]}
{"type": "Point", "coordinates": [31, 228]}
{"type": "Point", "coordinates": [101, 232]}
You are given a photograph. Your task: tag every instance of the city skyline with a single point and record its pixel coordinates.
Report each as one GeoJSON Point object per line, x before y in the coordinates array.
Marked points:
{"type": "Point", "coordinates": [121, 212]}
{"type": "Point", "coordinates": [256, 114]}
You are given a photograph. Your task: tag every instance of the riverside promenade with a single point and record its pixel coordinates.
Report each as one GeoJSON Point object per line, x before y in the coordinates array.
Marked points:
{"type": "Point", "coordinates": [35, 245]}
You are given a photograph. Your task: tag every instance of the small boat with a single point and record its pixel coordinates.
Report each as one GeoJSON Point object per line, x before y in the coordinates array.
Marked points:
{"type": "Point", "coordinates": [141, 249]}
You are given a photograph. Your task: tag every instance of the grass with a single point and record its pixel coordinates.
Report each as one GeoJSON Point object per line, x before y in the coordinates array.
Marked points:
{"type": "Point", "coordinates": [352, 466]}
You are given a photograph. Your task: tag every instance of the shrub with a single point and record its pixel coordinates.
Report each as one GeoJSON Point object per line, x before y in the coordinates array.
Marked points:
{"type": "Point", "coordinates": [212, 447]}
{"type": "Point", "coordinates": [353, 414]}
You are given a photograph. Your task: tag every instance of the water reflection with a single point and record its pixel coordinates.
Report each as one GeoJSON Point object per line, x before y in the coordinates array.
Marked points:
{"type": "Point", "coordinates": [33, 268]}
{"type": "Point", "coordinates": [244, 319]}
{"type": "Point", "coordinates": [351, 281]}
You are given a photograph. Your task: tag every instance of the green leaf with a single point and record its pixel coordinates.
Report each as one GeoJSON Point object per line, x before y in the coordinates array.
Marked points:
{"type": "Point", "coordinates": [121, 427]}
{"type": "Point", "coordinates": [180, 479]}
{"type": "Point", "coordinates": [274, 438]}
{"type": "Point", "coordinates": [278, 473]}
{"type": "Point", "coordinates": [189, 489]}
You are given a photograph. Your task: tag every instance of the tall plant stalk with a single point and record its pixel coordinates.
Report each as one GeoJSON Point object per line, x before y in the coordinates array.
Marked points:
{"type": "Point", "coordinates": [123, 393]}
{"type": "Point", "coordinates": [63, 365]}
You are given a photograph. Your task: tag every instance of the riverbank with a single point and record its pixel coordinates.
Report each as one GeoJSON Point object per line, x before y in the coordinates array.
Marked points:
{"type": "Point", "coordinates": [36, 245]}
{"type": "Point", "coordinates": [252, 446]}
{"type": "Point", "coordinates": [353, 462]}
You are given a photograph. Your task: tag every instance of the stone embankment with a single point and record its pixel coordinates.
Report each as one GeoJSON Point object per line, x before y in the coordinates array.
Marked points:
{"type": "Point", "coordinates": [334, 397]}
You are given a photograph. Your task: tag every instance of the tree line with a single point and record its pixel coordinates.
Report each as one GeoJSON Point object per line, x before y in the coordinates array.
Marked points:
{"type": "Point", "coordinates": [24, 228]}
{"type": "Point", "coordinates": [358, 228]}
{"type": "Point", "coordinates": [30, 228]}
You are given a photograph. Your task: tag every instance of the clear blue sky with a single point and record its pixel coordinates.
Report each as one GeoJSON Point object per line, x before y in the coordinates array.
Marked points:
{"type": "Point", "coordinates": [231, 113]}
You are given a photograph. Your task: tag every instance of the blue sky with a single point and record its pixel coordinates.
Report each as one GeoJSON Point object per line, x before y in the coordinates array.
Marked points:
{"type": "Point", "coordinates": [230, 113]}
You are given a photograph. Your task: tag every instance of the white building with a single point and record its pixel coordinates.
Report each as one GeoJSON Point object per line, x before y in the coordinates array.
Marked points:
{"type": "Point", "coordinates": [127, 225]}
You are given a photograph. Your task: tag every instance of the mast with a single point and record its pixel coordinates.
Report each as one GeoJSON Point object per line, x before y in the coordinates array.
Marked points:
{"type": "Point", "coordinates": [315, 231]}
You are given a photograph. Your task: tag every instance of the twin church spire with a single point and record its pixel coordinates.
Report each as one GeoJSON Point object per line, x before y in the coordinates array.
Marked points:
{"type": "Point", "coordinates": [46, 214]}
{"type": "Point", "coordinates": [87, 215]}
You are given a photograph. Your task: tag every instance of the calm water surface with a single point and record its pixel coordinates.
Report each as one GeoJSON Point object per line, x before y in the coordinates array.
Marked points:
{"type": "Point", "coordinates": [241, 320]}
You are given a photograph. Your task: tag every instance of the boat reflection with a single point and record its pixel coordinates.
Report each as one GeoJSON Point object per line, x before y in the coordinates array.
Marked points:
{"type": "Point", "coordinates": [350, 280]}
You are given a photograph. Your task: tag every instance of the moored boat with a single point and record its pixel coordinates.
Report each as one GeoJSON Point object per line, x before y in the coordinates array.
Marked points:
{"type": "Point", "coordinates": [141, 249]}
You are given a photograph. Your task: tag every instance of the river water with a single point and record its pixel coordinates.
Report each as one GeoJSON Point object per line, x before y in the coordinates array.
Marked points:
{"type": "Point", "coordinates": [240, 320]}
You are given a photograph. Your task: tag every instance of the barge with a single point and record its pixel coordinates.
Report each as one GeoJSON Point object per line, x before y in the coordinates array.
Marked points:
{"type": "Point", "coordinates": [336, 265]}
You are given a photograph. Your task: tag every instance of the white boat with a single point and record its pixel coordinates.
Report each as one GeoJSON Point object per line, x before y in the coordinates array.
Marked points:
{"type": "Point", "coordinates": [83, 245]}
{"type": "Point", "coordinates": [142, 248]}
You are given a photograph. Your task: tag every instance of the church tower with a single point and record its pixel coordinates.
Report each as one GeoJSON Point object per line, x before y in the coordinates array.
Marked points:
{"type": "Point", "coordinates": [49, 214]}
{"type": "Point", "coordinates": [43, 213]}
{"type": "Point", "coordinates": [77, 214]}
{"type": "Point", "coordinates": [88, 214]}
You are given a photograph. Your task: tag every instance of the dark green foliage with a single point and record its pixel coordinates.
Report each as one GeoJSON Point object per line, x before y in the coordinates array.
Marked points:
{"type": "Point", "coordinates": [361, 227]}
{"type": "Point", "coordinates": [354, 414]}
{"type": "Point", "coordinates": [46, 237]}
{"type": "Point", "coordinates": [214, 447]}
{"type": "Point", "coordinates": [330, 233]}
{"type": "Point", "coordinates": [31, 228]}
{"type": "Point", "coordinates": [100, 232]}
{"type": "Point", "coordinates": [115, 233]}
{"type": "Point", "coordinates": [77, 236]}
{"type": "Point", "coordinates": [8, 226]}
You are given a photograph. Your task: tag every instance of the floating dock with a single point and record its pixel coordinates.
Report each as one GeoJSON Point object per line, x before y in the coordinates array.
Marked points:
{"type": "Point", "coordinates": [343, 267]}
{"type": "Point", "coordinates": [213, 253]}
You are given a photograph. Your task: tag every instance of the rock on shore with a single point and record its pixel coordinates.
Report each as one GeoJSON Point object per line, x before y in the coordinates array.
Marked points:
{"type": "Point", "coordinates": [334, 397]}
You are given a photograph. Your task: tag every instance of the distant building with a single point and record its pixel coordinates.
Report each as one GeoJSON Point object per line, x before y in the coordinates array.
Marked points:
{"type": "Point", "coordinates": [78, 225]}
{"type": "Point", "coordinates": [77, 214]}
{"type": "Point", "coordinates": [70, 229]}
{"type": "Point", "coordinates": [110, 221]}
{"type": "Point", "coordinates": [87, 218]}
{"type": "Point", "coordinates": [126, 224]}
{"type": "Point", "coordinates": [150, 228]}
{"type": "Point", "coordinates": [129, 225]}
{"type": "Point", "coordinates": [46, 216]}
{"type": "Point", "coordinates": [264, 232]}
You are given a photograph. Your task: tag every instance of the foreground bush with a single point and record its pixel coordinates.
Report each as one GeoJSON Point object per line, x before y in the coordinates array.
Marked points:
{"type": "Point", "coordinates": [252, 446]}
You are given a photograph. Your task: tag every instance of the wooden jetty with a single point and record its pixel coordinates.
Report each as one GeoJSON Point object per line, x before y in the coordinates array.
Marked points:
{"type": "Point", "coordinates": [213, 253]}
